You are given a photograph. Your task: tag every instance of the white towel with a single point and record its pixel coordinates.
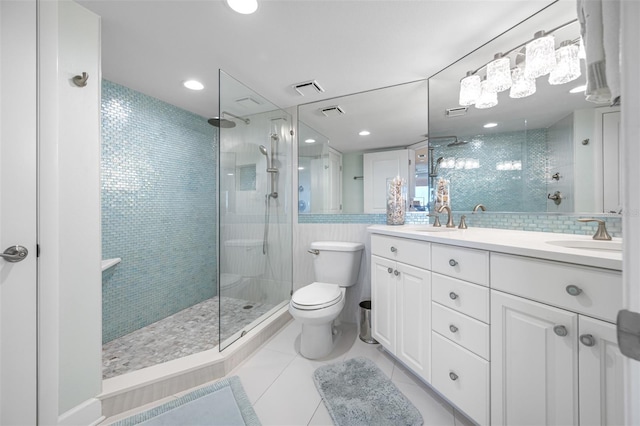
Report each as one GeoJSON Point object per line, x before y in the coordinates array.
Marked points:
{"type": "Point", "coordinates": [600, 29]}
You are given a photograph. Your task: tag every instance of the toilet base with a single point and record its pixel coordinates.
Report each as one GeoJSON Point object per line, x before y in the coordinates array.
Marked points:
{"type": "Point", "coordinates": [318, 340]}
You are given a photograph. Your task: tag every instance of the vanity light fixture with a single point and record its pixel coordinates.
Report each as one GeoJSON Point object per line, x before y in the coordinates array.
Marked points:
{"type": "Point", "coordinates": [488, 98]}
{"type": "Point", "coordinates": [469, 89]}
{"type": "Point", "coordinates": [364, 133]}
{"type": "Point", "coordinates": [499, 73]}
{"type": "Point", "coordinates": [193, 85]}
{"type": "Point", "coordinates": [540, 55]}
{"type": "Point", "coordinates": [568, 64]}
{"type": "Point", "coordinates": [579, 89]}
{"type": "Point", "coordinates": [245, 7]}
{"type": "Point", "coordinates": [309, 140]}
{"type": "Point", "coordinates": [490, 125]}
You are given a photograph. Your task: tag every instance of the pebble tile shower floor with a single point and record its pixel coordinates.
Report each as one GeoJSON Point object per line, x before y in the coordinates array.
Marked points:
{"type": "Point", "coordinates": [187, 332]}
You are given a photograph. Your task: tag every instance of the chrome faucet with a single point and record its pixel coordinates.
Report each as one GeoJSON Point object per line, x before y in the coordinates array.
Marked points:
{"type": "Point", "coordinates": [601, 233]}
{"type": "Point", "coordinates": [479, 206]}
{"type": "Point", "coordinates": [450, 223]}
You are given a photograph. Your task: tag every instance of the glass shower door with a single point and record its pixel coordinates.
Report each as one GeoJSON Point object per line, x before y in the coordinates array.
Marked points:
{"type": "Point", "coordinates": [255, 214]}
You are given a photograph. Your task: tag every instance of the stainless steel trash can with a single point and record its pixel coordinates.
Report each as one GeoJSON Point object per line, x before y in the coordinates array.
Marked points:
{"type": "Point", "coordinates": [365, 322]}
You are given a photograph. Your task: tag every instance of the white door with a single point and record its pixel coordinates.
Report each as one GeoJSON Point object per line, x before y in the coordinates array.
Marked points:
{"type": "Point", "coordinates": [18, 211]}
{"type": "Point", "coordinates": [334, 181]}
{"type": "Point", "coordinates": [534, 363]}
{"type": "Point", "coordinates": [414, 318]}
{"type": "Point", "coordinates": [383, 302]}
{"type": "Point", "coordinates": [601, 374]}
{"type": "Point", "coordinates": [378, 168]}
{"type": "Point", "coordinates": [611, 160]}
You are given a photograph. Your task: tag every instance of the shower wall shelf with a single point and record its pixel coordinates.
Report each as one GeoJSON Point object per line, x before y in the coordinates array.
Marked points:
{"type": "Point", "coordinates": [109, 263]}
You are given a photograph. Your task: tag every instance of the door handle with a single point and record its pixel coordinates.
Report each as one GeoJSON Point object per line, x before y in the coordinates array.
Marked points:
{"type": "Point", "coordinates": [15, 254]}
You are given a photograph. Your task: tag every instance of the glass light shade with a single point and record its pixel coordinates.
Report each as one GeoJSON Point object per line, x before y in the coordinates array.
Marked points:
{"type": "Point", "coordinates": [245, 7]}
{"type": "Point", "coordinates": [499, 73]}
{"type": "Point", "coordinates": [582, 53]}
{"type": "Point", "coordinates": [488, 98]}
{"type": "Point", "coordinates": [541, 56]}
{"type": "Point", "coordinates": [568, 64]}
{"type": "Point", "coordinates": [522, 86]}
{"type": "Point", "coordinates": [469, 90]}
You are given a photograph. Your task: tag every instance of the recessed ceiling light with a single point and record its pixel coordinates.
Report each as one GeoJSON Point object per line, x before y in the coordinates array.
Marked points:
{"type": "Point", "coordinates": [246, 7]}
{"type": "Point", "coordinates": [490, 125]}
{"type": "Point", "coordinates": [364, 133]}
{"type": "Point", "coordinates": [309, 140]}
{"type": "Point", "coordinates": [300, 168]}
{"type": "Point", "coordinates": [229, 174]}
{"type": "Point", "coordinates": [578, 89]}
{"type": "Point", "coordinates": [193, 85]}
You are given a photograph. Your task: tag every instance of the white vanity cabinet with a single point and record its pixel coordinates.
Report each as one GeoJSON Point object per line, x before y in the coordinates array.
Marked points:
{"type": "Point", "coordinates": [401, 300]}
{"type": "Point", "coordinates": [552, 363]}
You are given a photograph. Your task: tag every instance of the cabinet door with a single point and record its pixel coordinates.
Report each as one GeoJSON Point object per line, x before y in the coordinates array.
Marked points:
{"type": "Point", "coordinates": [534, 364]}
{"type": "Point", "coordinates": [601, 376]}
{"type": "Point", "coordinates": [414, 318]}
{"type": "Point", "coordinates": [383, 301]}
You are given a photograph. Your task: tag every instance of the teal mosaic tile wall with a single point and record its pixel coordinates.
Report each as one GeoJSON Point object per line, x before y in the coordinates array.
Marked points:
{"type": "Point", "coordinates": [158, 209]}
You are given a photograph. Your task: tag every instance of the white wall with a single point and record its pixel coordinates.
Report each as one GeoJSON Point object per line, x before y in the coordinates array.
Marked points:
{"type": "Point", "coordinates": [70, 351]}
{"type": "Point", "coordinates": [585, 156]}
{"type": "Point", "coordinates": [352, 189]}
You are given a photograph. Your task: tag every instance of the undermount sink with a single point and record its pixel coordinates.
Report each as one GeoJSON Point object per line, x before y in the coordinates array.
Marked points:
{"type": "Point", "coordinates": [434, 229]}
{"type": "Point", "coordinates": [599, 245]}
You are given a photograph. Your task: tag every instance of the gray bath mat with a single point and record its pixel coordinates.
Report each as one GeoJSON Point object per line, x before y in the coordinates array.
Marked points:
{"type": "Point", "coordinates": [356, 392]}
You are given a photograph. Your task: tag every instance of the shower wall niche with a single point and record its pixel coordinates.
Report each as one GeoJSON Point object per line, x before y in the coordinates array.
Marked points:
{"type": "Point", "coordinates": [159, 171]}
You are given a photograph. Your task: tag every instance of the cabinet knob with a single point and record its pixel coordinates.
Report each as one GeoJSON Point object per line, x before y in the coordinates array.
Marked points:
{"type": "Point", "coordinates": [573, 290]}
{"type": "Point", "coordinates": [560, 330]}
{"type": "Point", "coordinates": [396, 273]}
{"type": "Point", "coordinates": [453, 262]}
{"type": "Point", "coordinates": [453, 328]}
{"type": "Point", "coordinates": [453, 296]}
{"type": "Point", "coordinates": [587, 340]}
{"type": "Point", "coordinates": [453, 376]}
{"type": "Point", "coordinates": [393, 249]}
{"type": "Point", "coordinates": [389, 270]}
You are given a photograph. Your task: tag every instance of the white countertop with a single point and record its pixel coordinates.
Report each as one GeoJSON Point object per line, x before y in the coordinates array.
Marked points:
{"type": "Point", "coordinates": [523, 243]}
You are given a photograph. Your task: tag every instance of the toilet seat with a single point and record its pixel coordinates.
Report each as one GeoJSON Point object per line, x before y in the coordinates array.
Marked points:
{"type": "Point", "coordinates": [316, 296]}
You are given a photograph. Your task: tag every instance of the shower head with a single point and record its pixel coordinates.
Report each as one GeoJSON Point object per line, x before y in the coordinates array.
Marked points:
{"type": "Point", "coordinates": [221, 122]}
{"type": "Point", "coordinates": [263, 150]}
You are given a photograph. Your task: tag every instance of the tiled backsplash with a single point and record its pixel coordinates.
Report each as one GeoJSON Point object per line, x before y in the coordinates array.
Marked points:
{"type": "Point", "coordinates": [540, 222]}
{"type": "Point", "coordinates": [158, 209]}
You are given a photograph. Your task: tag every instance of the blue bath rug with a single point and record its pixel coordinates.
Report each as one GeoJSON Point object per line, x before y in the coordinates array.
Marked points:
{"type": "Point", "coordinates": [223, 403]}
{"type": "Point", "coordinates": [356, 392]}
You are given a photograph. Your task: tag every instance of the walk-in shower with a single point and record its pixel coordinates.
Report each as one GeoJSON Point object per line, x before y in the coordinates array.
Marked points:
{"type": "Point", "coordinates": [182, 196]}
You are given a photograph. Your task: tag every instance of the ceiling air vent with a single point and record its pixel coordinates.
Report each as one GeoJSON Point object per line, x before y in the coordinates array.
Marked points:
{"type": "Point", "coordinates": [248, 102]}
{"type": "Point", "coordinates": [308, 87]}
{"type": "Point", "coordinates": [332, 111]}
{"type": "Point", "coordinates": [455, 112]}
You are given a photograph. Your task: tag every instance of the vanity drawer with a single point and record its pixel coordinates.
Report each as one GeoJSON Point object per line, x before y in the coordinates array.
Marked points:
{"type": "Point", "coordinates": [600, 290]}
{"type": "Point", "coordinates": [461, 329]}
{"type": "Point", "coordinates": [411, 252]}
{"type": "Point", "coordinates": [462, 263]}
{"type": "Point", "coordinates": [462, 377]}
{"type": "Point", "coordinates": [461, 296]}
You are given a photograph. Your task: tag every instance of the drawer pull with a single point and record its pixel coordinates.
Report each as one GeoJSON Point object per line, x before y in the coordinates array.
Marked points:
{"type": "Point", "coordinates": [396, 273]}
{"type": "Point", "coordinates": [453, 376]}
{"type": "Point", "coordinates": [453, 328]}
{"type": "Point", "coordinates": [393, 249]}
{"type": "Point", "coordinates": [573, 290]}
{"type": "Point", "coordinates": [389, 270]}
{"type": "Point", "coordinates": [453, 296]}
{"type": "Point", "coordinates": [587, 340]}
{"type": "Point", "coordinates": [560, 330]}
{"type": "Point", "coordinates": [452, 262]}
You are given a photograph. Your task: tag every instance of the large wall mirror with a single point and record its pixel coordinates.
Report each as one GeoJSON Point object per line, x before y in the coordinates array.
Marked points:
{"type": "Point", "coordinates": [551, 151]}
{"type": "Point", "coordinates": [340, 140]}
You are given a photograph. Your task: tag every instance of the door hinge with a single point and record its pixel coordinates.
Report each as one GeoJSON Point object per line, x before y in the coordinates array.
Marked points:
{"type": "Point", "coordinates": [628, 330]}
{"type": "Point", "coordinates": [37, 250]}
{"type": "Point", "coordinates": [291, 132]}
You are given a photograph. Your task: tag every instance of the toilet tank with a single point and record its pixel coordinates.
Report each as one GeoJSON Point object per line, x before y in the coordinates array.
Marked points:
{"type": "Point", "coordinates": [337, 262]}
{"type": "Point", "coordinates": [243, 257]}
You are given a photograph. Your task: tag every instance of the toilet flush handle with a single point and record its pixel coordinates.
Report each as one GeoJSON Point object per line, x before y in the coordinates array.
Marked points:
{"type": "Point", "coordinates": [314, 251]}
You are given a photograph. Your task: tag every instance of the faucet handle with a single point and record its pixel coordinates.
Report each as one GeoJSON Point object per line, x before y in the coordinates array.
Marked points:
{"type": "Point", "coordinates": [463, 222]}
{"type": "Point", "coordinates": [601, 233]}
{"type": "Point", "coordinates": [436, 221]}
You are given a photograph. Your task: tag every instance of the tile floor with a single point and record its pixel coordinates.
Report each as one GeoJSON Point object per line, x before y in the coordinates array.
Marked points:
{"type": "Point", "coordinates": [279, 382]}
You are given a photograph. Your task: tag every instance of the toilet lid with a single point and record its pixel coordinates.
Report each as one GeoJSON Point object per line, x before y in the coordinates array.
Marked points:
{"type": "Point", "coordinates": [316, 296]}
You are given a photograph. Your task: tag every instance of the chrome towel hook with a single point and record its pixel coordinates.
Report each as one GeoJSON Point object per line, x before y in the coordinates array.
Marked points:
{"type": "Point", "coordinates": [81, 80]}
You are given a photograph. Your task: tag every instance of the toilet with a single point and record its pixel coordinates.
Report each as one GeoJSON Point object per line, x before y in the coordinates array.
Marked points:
{"type": "Point", "coordinates": [242, 262]}
{"type": "Point", "coordinates": [336, 266]}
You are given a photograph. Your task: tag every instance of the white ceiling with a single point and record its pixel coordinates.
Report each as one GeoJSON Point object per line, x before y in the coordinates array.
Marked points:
{"type": "Point", "coordinates": [347, 46]}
